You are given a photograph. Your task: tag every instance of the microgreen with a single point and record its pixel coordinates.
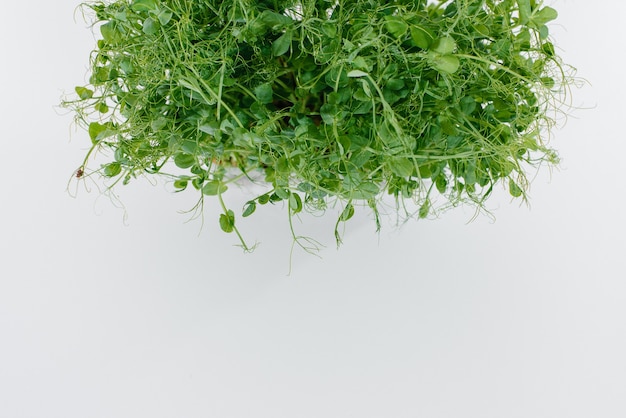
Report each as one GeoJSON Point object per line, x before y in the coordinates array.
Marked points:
{"type": "Point", "coordinates": [337, 101]}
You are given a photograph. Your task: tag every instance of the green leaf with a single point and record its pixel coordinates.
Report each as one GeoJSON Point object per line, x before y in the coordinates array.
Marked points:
{"type": "Point", "coordinates": [100, 75]}
{"type": "Point", "coordinates": [469, 175]}
{"type": "Point", "coordinates": [144, 5]}
{"type": "Point", "coordinates": [184, 160]}
{"type": "Point", "coordinates": [446, 63]}
{"type": "Point", "coordinates": [387, 136]}
{"type": "Point", "coordinates": [447, 127]}
{"type": "Point", "coordinates": [482, 29]}
{"type": "Point", "coordinates": [150, 26]}
{"type": "Point", "coordinates": [522, 40]}
{"type": "Point", "coordinates": [366, 190]}
{"type": "Point", "coordinates": [422, 37]}
{"type": "Point", "coordinates": [264, 93]}
{"type": "Point", "coordinates": [361, 63]}
{"type": "Point", "coordinates": [263, 199]}
{"type": "Point", "coordinates": [122, 15]}
{"type": "Point", "coordinates": [83, 92]}
{"type": "Point", "coordinates": [275, 21]}
{"type": "Point", "coordinates": [425, 170]}
{"type": "Point", "coordinates": [188, 146]}
{"type": "Point", "coordinates": [514, 189]}
{"type": "Point", "coordinates": [395, 84]}
{"type": "Point", "coordinates": [198, 171]}
{"type": "Point", "coordinates": [348, 212]}
{"type": "Point", "coordinates": [281, 45]}
{"type": "Point", "coordinates": [112, 169]}
{"type": "Point", "coordinates": [445, 45]}
{"type": "Point", "coordinates": [227, 127]}
{"type": "Point", "coordinates": [209, 128]}
{"type": "Point", "coordinates": [366, 88]}
{"type": "Point", "coordinates": [181, 184]}
{"type": "Point", "coordinates": [126, 65]}
{"type": "Point", "coordinates": [249, 209]}
{"type": "Point", "coordinates": [396, 26]}
{"type": "Point", "coordinates": [158, 124]}
{"type": "Point", "coordinates": [102, 107]}
{"type": "Point", "coordinates": [544, 16]}
{"type": "Point", "coordinates": [524, 11]}
{"type": "Point", "coordinates": [109, 32]}
{"type": "Point", "coordinates": [213, 188]}
{"type": "Point", "coordinates": [548, 82]}
{"type": "Point", "coordinates": [402, 167]}
{"type": "Point", "coordinates": [295, 202]}
{"type": "Point", "coordinates": [280, 194]}
{"type": "Point", "coordinates": [328, 112]}
{"type": "Point", "coordinates": [282, 165]}
{"type": "Point", "coordinates": [548, 49]}
{"type": "Point", "coordinates": [502, 48]}
{"type": "Point", "coordinates": [337, 76]}
{"type": "Point", "coordinates": [453, 141]}
{"type": "Point", "coordinates": [467, 105]}
{"type": "Point", "coordinates": [98, 131]}
{"type": "Point", "coordinates": [329, 29]}
{"type": "Point", "coordinates": [441, 183]}
{"type": "Point", "coordinates": [164, 17]}
{"type": "Point", "coordinates": [227, 221]}
{"type": "Point", "coordinates": [197, 183]}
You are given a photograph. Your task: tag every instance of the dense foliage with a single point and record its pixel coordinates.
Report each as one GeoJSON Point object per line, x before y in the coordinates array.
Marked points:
{"type": "Point", "coordinates": [324, 101]}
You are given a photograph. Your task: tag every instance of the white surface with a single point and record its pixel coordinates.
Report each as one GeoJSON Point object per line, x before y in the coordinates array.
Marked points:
{"type": "Point", "coordinates": [524, 317]}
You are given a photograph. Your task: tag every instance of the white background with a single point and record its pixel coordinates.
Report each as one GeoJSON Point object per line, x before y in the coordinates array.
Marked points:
{"type": "Point", "coordinates": [521, 317]}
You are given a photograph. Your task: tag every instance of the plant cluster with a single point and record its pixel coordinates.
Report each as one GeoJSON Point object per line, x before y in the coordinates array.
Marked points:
{"type": "Point", "coordinates": [323, 100]}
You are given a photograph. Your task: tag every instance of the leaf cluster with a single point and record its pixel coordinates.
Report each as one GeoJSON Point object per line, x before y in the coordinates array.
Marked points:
{"type": "Point", "coordinates": [328, 101]}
